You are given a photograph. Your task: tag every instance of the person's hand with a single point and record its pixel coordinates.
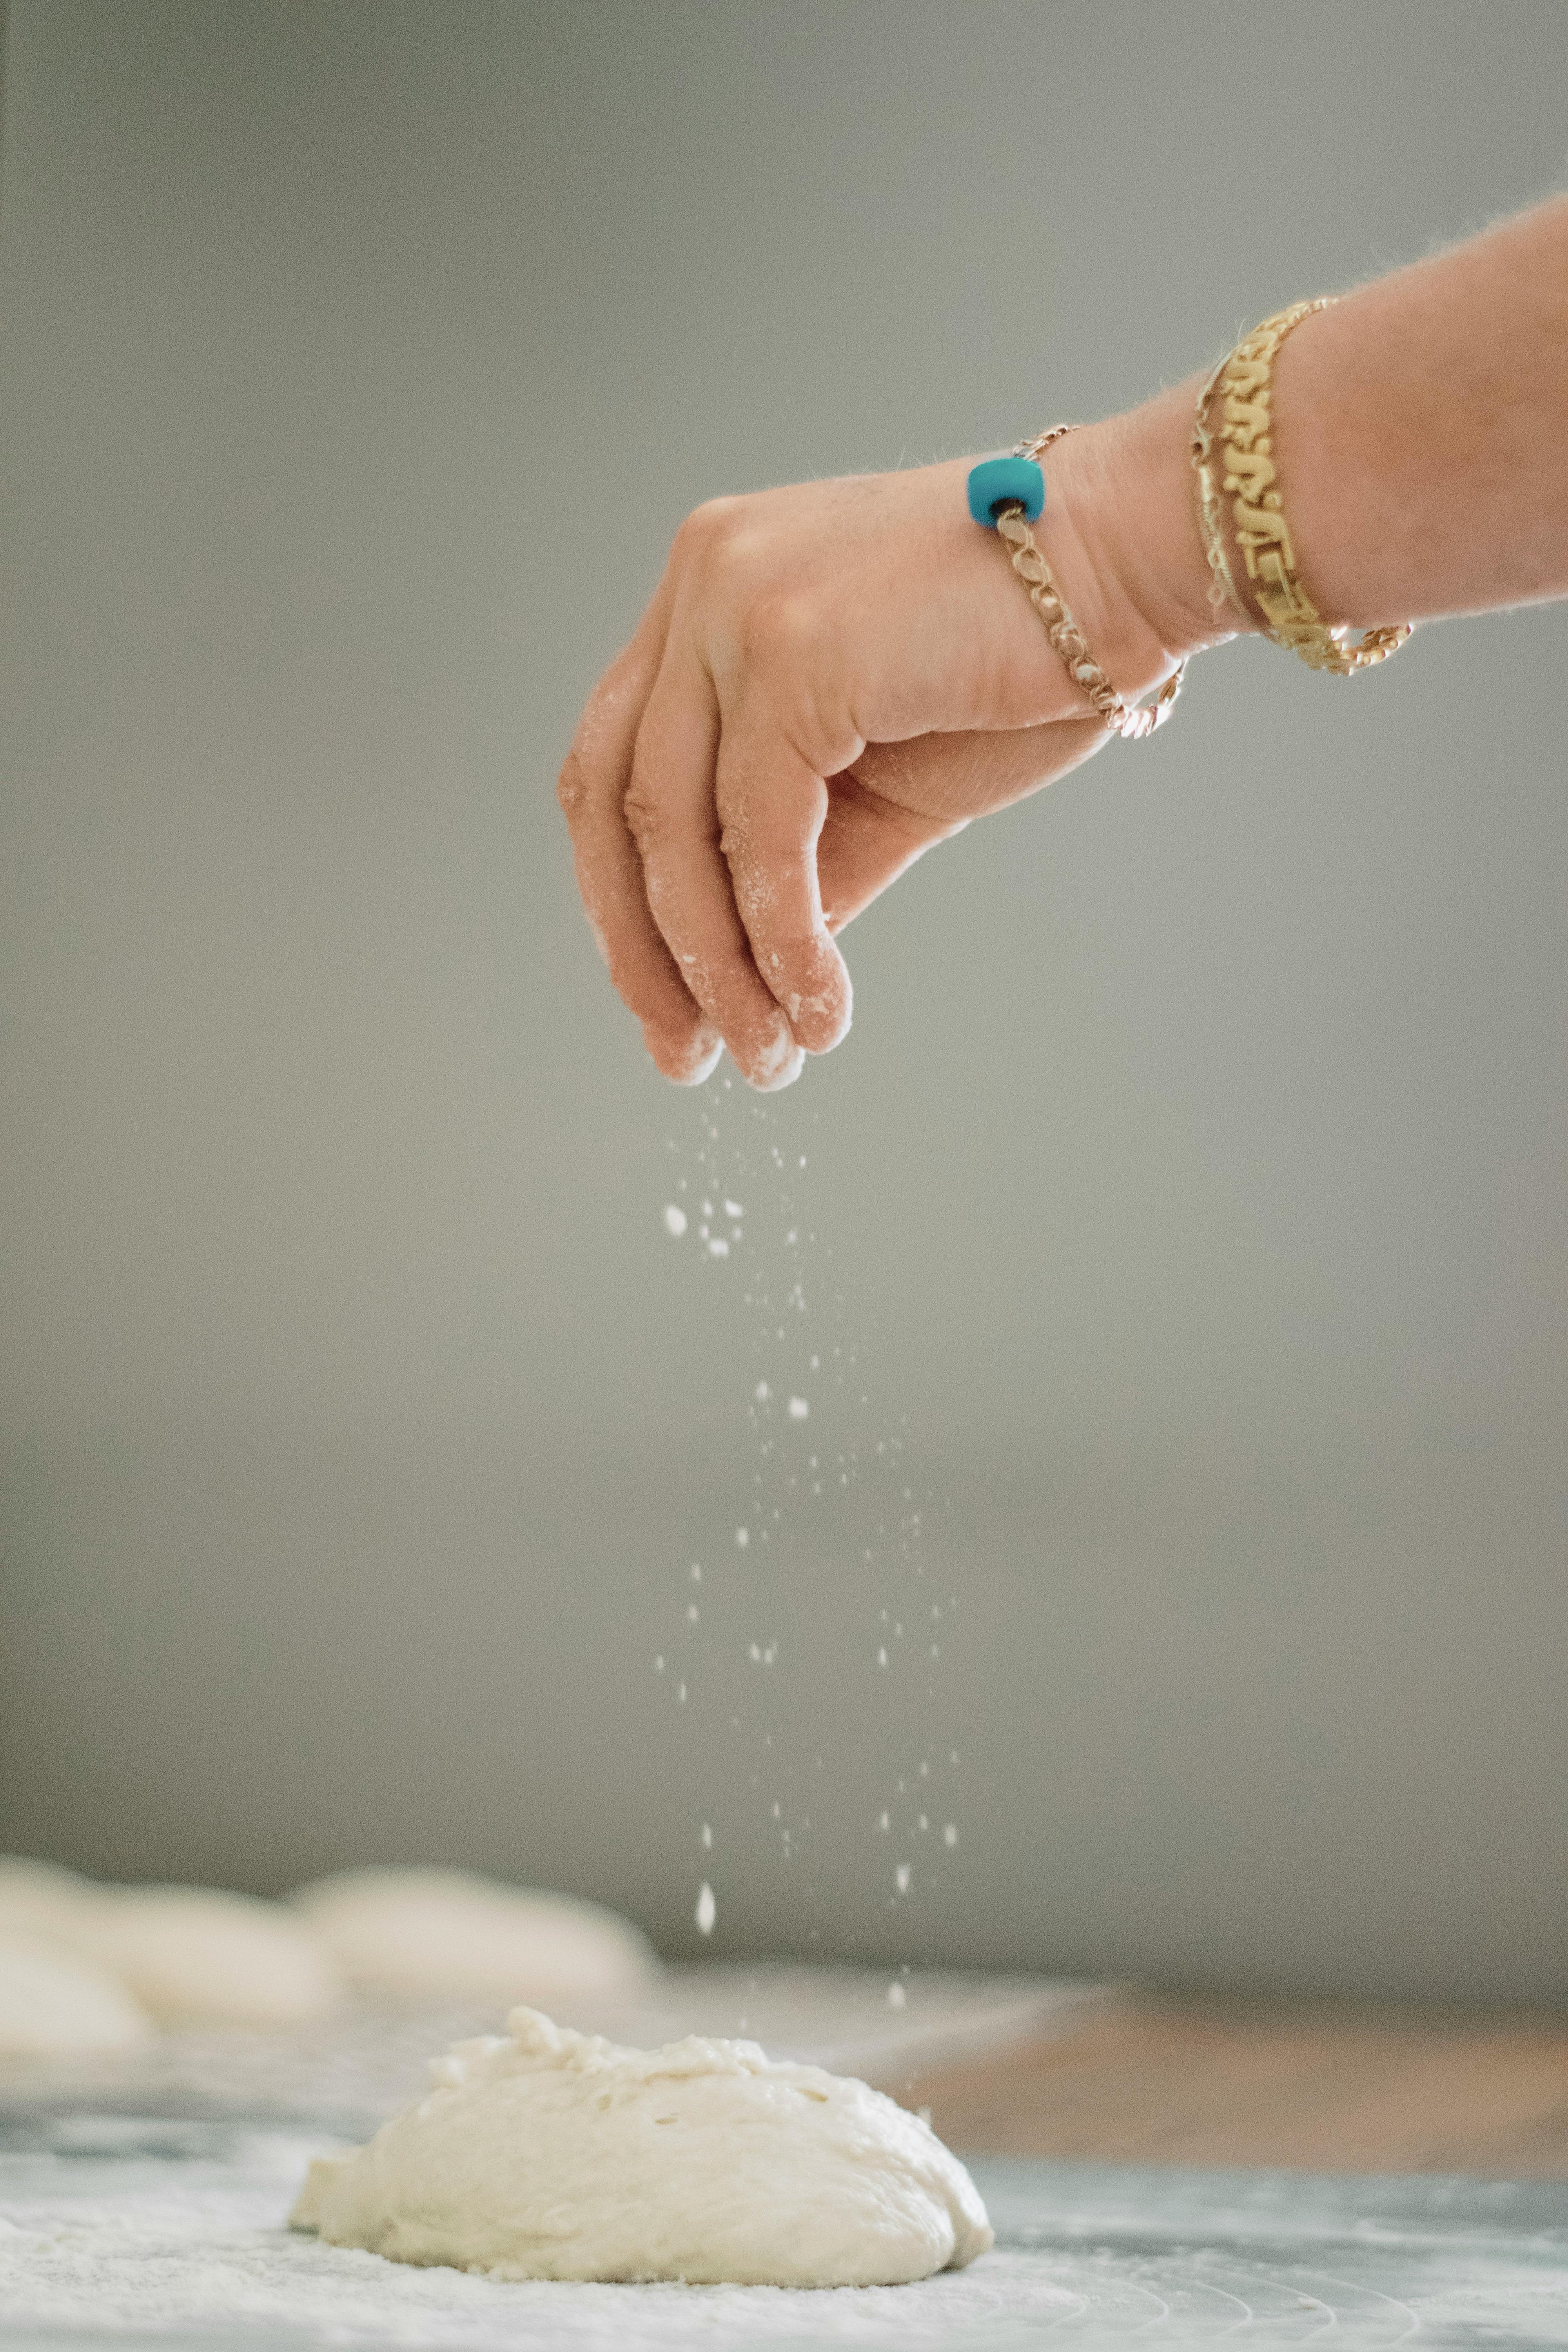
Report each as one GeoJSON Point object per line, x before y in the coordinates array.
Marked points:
{"type": "Point", "coordinates": [829, 678]}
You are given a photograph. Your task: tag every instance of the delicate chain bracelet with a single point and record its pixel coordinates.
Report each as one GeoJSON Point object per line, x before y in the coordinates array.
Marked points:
{"type": "Point", "coordinates": [1017, 500]}
{"type": "Point", "coordinates": [1251, 478]}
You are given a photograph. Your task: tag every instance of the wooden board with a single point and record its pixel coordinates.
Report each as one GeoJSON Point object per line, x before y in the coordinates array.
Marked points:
{"type": "Point", "coordinates": [1321, 2086]}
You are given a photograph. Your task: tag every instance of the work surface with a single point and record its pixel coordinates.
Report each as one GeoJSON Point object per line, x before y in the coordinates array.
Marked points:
{"type": "Point", "coordinates": [168, 2227]}
{"type": "Point", "coordinates": [174, 2234]}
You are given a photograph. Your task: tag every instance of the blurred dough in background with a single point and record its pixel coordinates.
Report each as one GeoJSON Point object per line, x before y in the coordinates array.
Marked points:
{"type": "Point", "coordinates": [197, 1953]}
{"type": "Point", "coordinates": [40, 1897]}
{"type": "Point", "coordinates": [203, 1956]}
{"type": "Point", "coordinates": [53, 2005]}
{"type": "Point", "coordinates": [452, 1935]}
{"type": "Point", "coordinates": [190, 1955]}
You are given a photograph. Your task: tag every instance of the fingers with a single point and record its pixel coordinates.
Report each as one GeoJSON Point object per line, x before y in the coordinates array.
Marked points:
{"type": "Point", "coordinates": [671, 812]}
{"type": "Point", "coordinates": [593, 790]}
{"type": "Point", "coordinates": [715, 862]}
{"type": "Point", "coordinates": [772, 805]}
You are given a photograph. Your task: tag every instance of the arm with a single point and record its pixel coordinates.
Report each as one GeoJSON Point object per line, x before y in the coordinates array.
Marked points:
{"type": "Point", "coordinates": [1421, 431]}
{"type": "Point", "coordinates": [1424, 430]}
{"type": "Point", "coordinates": [832, 677]}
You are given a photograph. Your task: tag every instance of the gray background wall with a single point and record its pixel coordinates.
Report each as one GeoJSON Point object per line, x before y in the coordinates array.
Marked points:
{"type": "Point", "coordinates": [1191, 1193]}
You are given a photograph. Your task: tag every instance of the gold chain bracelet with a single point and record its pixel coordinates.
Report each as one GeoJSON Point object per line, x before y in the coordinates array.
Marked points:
{"type": "Point", "coordinates": [1251, 478]}
{"type": "Point", "coordinates": [1211, 514]}
{"type": "Point", "coordinates": [1132, 724]}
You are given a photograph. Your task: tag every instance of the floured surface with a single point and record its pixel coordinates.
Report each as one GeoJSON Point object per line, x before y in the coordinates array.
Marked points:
{"type": "Point", "coordinates": [176, 2232]}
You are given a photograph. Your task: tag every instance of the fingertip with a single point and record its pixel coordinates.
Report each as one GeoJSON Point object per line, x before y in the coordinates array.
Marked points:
{"type": "Point", "coordinates": [822, 1021]}
{"type": "Point", "coordinates": [702, 1070]}
{"type": "Point", "coordinates": [834, 1037]}
{"type": "Point", "coordinates": [685, 1061]}
{"type": "Point", "coordinates": [777, 1065]}
{"type": "Point", "coordinates": [818, 1007]}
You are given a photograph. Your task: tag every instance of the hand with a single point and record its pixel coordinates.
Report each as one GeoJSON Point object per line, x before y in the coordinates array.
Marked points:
{"type": "Point", "coordinates": [829, 678]}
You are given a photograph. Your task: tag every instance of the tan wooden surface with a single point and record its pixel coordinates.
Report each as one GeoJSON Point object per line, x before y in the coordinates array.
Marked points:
{"type": "Point", "coordinates": [1319, 2087]}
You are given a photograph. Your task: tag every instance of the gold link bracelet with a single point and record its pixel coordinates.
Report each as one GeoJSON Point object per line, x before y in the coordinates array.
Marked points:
{"type": "Point", "coordinates": [1063, 630]}
{"type": "Point", "coordinates": [1251, 478]}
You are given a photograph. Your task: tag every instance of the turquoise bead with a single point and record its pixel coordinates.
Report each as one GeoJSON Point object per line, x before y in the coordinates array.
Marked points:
{"type": "Point", "coordinates": [997, 482]}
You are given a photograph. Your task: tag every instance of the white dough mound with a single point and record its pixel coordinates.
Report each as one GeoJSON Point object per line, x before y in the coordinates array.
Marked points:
{"type": "Point", "coordinates": [53, 2005]}
{"type": "Point", "coordinates": [452, 1935]}
{"type": "Point", "coordinates": [553, 2155]}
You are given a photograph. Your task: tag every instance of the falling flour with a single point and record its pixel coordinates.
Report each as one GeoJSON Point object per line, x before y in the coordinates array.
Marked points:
{"type": "Point", "coordinates": [830, 1480]}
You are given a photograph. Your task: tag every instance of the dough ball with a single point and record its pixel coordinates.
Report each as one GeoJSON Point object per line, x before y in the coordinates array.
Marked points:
{"type": "Point", "coordinates": [452, 1935]}
{"type": "Point", "coordinates": [54, 2005]}
{"type": "Point", "coordinates": [548, 2154]}
{"type": "Point", "coordinates": [193, 1954]}
{"type": "Point", "coordinates": [41, 1898]}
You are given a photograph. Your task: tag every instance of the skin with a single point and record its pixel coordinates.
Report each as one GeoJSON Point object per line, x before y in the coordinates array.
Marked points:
{"type": "Point", "coordinates": [832, 677]}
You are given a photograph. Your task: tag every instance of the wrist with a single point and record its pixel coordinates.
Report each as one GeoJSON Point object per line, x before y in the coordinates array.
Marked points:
{"type": "Point", "coordinates": [1125, 541]}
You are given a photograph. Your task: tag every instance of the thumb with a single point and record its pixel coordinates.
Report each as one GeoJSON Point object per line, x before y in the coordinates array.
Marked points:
{"type": "Point", "coordinates": [865, 842]}
{"type": "Point", "coordinates": [899, 799]}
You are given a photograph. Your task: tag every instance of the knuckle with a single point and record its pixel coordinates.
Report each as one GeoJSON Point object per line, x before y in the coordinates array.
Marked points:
{"type": "Point", "coordinates": [779, 627]}
{"type": "Point", "coordinates": [647, 819]}
{"type": "Point", "coordinates": [707, 525]}
{"type": "Point", "coordinates": [732, 807]}
{"type": "Point", "coordinates": [572, 784]}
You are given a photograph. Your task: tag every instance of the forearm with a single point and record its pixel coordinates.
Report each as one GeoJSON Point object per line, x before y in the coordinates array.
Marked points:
{"type": "Point", "coordinates": [1422, 432]}
{"type": "Point", "coordinates": [1420, 428]}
